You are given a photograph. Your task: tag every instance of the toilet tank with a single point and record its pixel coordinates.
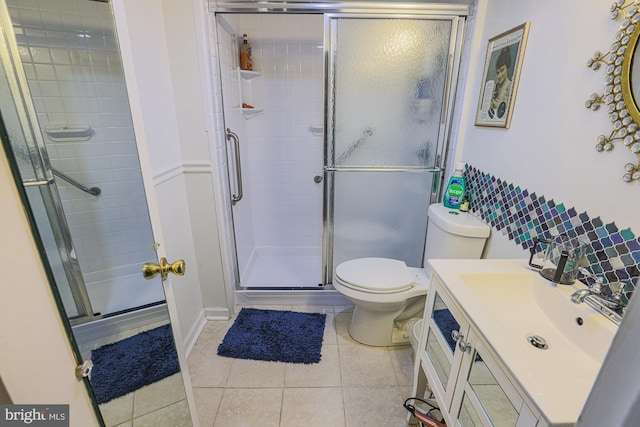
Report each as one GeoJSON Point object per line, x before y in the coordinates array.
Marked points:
{"type": "Point", "coordinates": [453, 234]}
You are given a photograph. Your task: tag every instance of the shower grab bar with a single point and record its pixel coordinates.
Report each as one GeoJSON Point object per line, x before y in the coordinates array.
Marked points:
{"type": "Point", "coordinates": [94, 191]}
{"type": "Point", "coordinates": [236, 145]}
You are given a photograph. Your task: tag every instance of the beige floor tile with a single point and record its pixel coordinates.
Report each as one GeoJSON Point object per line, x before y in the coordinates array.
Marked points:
{"type": "Point", "coordinates": [366, 366]}
{"type": "Point", "coordinates": [342, 322]}
{"type": "Point", "coordinates": [402, 360]}
{"type": "Point", "coordinates": [374, 406]}
{"type": "Point", "coordinates": [173, 415]}
{"type": "Point", "coordinates": [158, 395]}
{"type": "Point", "coordinates": [117, 411]}
{"type": "Point", "coordinates": [323, 374]}
{"type": "Point", "coordinates": [342, 308]}
{"type": "Point", "coordinates": [330, 337]}
{"type": "Point", "coordinates": [256, 373]}
{"type": "Point", "coordinates": [406, 391]}
{"type": "Point", "coordinates": [353, 384]}
{"type": "Point", "coordinates": [213, 332]}
{"type": "Point", "coordinates": [249, 407]}
{"type": "Point", "coordinates": [312, 407]}
{"type": "Point", "coordinates": [207, 404]}
{"type": "Point", "coordinates": [206, 368]}
{"type": "Point", "coordinates": [126, 424]}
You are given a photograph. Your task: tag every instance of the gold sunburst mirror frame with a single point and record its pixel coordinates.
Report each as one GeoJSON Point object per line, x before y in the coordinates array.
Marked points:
{"type": "Point", "coordinates": [619, 95]}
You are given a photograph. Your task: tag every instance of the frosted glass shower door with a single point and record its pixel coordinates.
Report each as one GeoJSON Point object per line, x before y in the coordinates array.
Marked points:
{"type": "Point", "coordinates": [387, 83]}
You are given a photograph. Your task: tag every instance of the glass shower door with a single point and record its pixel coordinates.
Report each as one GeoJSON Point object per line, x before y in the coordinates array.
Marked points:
{"type": "Point", "coordinates": [73, 93]}
{"type": "Point", "coordinates": [386, 132]}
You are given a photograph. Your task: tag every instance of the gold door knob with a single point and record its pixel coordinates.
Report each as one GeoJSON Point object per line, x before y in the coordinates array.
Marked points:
{"type": "Point", "coordinates": [151, 270]}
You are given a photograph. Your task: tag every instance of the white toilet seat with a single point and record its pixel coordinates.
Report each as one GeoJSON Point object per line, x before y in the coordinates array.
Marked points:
{"type": "Point", "coordinates": [375, 275]}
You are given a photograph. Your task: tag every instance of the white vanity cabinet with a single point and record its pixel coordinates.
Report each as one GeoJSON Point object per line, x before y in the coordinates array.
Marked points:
{"type": "Point", "coordinates": [471, 387]}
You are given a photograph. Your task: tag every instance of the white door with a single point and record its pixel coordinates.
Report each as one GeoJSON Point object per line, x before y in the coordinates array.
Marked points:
{"type": "Point", "coordinates": [147, 66]}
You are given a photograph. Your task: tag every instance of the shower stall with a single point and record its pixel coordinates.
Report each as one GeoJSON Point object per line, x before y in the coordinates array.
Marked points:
{"type": "Point", "coordinates": [72, 137]}
{"type": "Point", "coordinates": [337, 137]}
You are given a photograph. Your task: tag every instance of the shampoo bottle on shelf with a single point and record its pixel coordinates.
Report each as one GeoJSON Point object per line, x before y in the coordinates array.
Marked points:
{"type": "Point", "coordinates": [246, 62]}
{"type": "Point", "coordinates": [456, 189]}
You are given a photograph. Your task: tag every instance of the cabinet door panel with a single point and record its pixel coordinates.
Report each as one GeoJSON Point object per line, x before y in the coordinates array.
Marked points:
{"type": "Point", "coordinates": [488, 390]}
{"type": "Point", "coordinates": [468, 416]}
{"type": "Point", "coordinates": [464, 374]}
{"type": "Point", "coordinates": [442, 359]}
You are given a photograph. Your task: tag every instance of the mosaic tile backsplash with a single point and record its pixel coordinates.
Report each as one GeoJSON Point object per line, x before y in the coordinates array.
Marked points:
{"type": "Point", "coordinates": [614, 254]}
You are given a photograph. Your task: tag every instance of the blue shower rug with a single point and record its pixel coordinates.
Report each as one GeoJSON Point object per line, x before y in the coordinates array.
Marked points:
{"type": "Point", "coordinates": [132, 363]}
{"type": "Point", "coordinates": [274, 335]}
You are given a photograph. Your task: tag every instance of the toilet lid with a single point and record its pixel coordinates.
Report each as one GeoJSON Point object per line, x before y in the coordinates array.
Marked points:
{"type": "Point", "coordinates": [376, 275]}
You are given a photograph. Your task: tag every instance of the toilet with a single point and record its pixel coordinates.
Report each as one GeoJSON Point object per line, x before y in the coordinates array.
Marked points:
{"type": "Point", "coordinates": [388, 295]}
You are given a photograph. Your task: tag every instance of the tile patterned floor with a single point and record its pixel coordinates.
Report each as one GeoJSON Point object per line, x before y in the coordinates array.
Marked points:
{"type": "Point", "coordinates": [353, 385]}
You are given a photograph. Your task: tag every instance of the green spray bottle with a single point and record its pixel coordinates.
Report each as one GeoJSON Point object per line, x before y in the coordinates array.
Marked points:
{"type": "Point", "coordinates": [456, 189]}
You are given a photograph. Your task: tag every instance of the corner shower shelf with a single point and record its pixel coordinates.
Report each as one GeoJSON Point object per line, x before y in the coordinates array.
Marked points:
{"type": "Point", "coordinates": [246, 92]}
{"type": "Point", "coordinates": [251, 112]}
{"type": "Point", "coordinates": [248, 75]}
{"type": "Point", "coordinates": [68, 132]}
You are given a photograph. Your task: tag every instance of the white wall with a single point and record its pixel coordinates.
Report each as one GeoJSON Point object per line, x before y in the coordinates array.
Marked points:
{"type": "Point", "coordinates": [188, 47]}
{"type": "Point", "coordinates": [549, 148]}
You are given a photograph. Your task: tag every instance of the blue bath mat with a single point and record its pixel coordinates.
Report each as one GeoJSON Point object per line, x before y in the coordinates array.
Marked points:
{"type": "Point", "coordinates": [132, 363]}
{"type": "Point", "coordinates": [273, 335]}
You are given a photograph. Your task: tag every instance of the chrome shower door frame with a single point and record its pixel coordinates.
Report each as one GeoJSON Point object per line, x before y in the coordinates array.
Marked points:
{"type": "Point", "coordinates": [456, 13]}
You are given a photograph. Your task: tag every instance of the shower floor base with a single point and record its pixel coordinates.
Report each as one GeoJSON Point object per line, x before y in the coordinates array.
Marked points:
{"type": "Point", "coordinates": [283, 267]}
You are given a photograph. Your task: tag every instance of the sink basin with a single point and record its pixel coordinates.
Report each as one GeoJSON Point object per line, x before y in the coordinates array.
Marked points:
{"type": "Point", "coordinates": [507, 303]}
{"type": "Point", "coordinates": [531, 305]}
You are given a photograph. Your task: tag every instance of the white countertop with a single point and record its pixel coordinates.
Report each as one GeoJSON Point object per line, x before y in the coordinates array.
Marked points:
{"type": "Point", "coordinates": [506, 301]}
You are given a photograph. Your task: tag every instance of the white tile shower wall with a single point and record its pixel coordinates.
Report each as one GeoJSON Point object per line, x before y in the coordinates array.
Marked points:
{"type": "Point", "coordinates": [288, 51]}
{"type": "Point", "coordinates": [73, 67]}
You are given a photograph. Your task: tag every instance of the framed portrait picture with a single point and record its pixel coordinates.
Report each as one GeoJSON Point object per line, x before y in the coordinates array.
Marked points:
{"type": "Point", "coordinates": [500, 77]}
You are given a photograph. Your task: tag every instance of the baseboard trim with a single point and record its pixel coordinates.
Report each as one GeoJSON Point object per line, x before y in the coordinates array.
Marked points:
{"type": "Point", "coordinates": [298, 297]}
{"type": "Point", "coordinates": [217, 313]}
{"type": "Point", "coordinates": [189, 341]}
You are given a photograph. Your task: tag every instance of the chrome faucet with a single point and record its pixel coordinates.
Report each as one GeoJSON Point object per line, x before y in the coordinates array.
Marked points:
{"type": "Point", "coordinates": [609, 306]}
{"type": "Point", "coordinates": [612, 302]}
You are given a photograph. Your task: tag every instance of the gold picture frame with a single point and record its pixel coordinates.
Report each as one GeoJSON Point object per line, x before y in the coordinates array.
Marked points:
{"type": "Point", "coordinates": [500, 77]}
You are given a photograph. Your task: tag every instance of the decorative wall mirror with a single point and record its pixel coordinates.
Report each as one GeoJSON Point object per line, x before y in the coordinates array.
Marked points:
{"type": "Point", "coordinates": [621, 94]}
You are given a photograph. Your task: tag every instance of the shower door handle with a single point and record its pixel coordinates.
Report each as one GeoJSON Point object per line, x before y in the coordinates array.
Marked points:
{"type": "Point", "coordinates": [235, 198]}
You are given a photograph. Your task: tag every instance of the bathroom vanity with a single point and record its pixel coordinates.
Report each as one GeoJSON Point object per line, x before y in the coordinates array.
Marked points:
{"type": "Point", "coordinates": [502, 346]}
